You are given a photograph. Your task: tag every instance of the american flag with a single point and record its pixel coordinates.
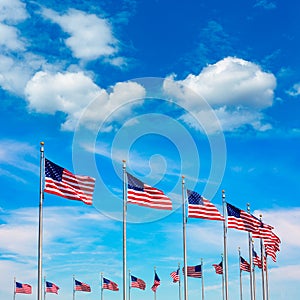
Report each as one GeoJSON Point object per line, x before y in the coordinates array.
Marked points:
{"type": "Point", "coordinates": [244, 265]}
{"type": "Point", "coordinates": [156, 283]}
{"type": "Point", "coordinates": [241, 220]}
{"type": "Point", "coordinates": [264, 231]}
{"type": "Point", "coordinates": [194, 271]}
{"type": "Point", "coordinates": [272, 245]}
{"type": "Point", "coordinates": [83, 287]}
{"type": "Point", "coordinates": [257, 261]}
{"type": "Point", "coordinates": [219, 268]}
{"type": "Point", "coordinates": [51, 287]}
{"type": "Point", "coordinates": [109, 285]}
{"type": "Point", "coordinates": [63, 183]}
{"type": "Point", "coordinates": [145, 195]}
{"type": "Point", "coordinates": [199, 207]}
{"type": "Point", "coordinates": [23, 288]}
{"type": "Point", "coordinates": [175, 276]}
{"type": "Point", "coordinates": [137, 283]}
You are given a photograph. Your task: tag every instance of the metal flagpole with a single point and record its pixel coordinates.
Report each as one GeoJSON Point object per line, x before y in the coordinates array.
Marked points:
{"type": "Point", "coordinates": [241, 286]}
{"type": "Point", "coordinates": [101, 279]}
{"type": "Point", "coordinates": [40, 234]}
{"type": "Point", "coordinates": [262, 258]}
{"type": "Point", "coordinates": [254, 283]}
{"type": "Point", "coordinates": [225, 267]}
{"type": "Point", "coordinates": [185, 282]}
{"type": "Point", "coordinates": [202, 279]}
{"type": "Point", "coordinates": [179, 282]}
{"type": "Point", "coordinates": [250, 259]}
{"type": "Point", "coordinates": [129, 285]}
{"type": "Point", "coordinates": [73, 287]}
{"type": "Point", "coordinates": [14, 288]}
{"type": "Point", "coordinates": [124, 229]}
{"type": "Point", "coordinates": [222, 277]}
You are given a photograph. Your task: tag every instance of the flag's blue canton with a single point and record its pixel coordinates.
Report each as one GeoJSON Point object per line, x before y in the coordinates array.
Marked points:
{"type": "Point", "coordinates": [254, 253]}
{"type": "Point", "coordinates": [242, 260]}
{"type": "Point", "coordinates": [49, 284]}
{"type": "Point", "coordinates": [133, 278]}
{"type": "Point", "coordinates": [78, 282]}
{"type": "Point", "coordinates": [198, 268]}
{"type": "Point", "coordinates": [233, 211]}
{"type": "Point", "coordinates": [194, 198]}
{"type": "Point", "coordinates": [156, 278]}
{"type": "Point", "coordinates": [53, 170]}
{"type": "Point", "coordinates": [134, 183]}
{"type": "Point", "coordinates": [19, 285]}
{"type": "Point", "coordinates": [106, 280]}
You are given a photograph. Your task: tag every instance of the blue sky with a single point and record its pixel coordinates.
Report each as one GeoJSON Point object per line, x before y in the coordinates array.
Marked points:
{"type": "Point", "coordinates": [205, 89]}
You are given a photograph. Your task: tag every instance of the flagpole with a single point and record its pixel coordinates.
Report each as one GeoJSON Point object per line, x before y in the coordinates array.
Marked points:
{"type": "Point", "coordinates": [124, 229]}
{"type": "Point", "coordinates": [222, 277]}
{"type": "Point", "coordinates": [185, 282]}
{"type": "Point", "coordinates": [73, 287]}
{"type": "Point", "coordinates": [14, 288]}
{"type": "Point", "coordinates": [254, 281]}
{"type": "Point", "coordinates": [225, 244]}
{"type": "Point", "coordinates": [179, 282]}
{"type": "Point", "coordinates": [129, 286]}
{"type": "Point", "coordinates": [262, 258]}
{"type": "Point", "coordinates": [202, 278]}
{"type": "Point", "coordinates": [40, 234]}
{"type": "Point", "coordinates": [101, 280]}
{"type": "Point", "coordinates": [252, 297]}
{"type": "Point", "coordinates": [241, 286]}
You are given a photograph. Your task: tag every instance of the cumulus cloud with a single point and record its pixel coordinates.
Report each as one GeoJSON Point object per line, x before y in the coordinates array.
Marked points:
{"type": "Point", "coordinates": [91, 37]}
{"type": "Point", "coordinates": [74, 93]}
{"type": "Point", "coordinates": [236, 90]}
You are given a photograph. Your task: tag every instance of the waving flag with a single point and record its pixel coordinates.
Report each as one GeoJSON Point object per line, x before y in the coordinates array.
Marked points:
{"type": "Point", "coordinates": [109, 285]}
{"type": "Point", "coordinates": [83, 287]}
{"type": "Point", "coordinates": [156, 283]}
{"type": "Point", "coordinates": [199, 207]}
{"type": "Point", "coordinates": [63, 183]}
{"type": "Point", "coordinates": [264, 231]}
{"type": "Point", "coordinates": [257, 261]}
{"type": "Point", "coordinates": [194, 271]}
{"type": "Point", "coordinates": [272, 245]}
{"type": "Point", "coordinates": [218, 268]}
{"type": "Point", "coordinates": [244, 265]}
{"type": "Point", "coordinates": [175, 276]}
{"type": "Point", "coordinates": [23, 288]}
{"type": "Point", "coordinates": [137, 283]}
{"type": "Point", "coordinates": [145, 195]}
{"type": "Point", "coordinates": [241, 220]}
{"type": "Point", "coordinates": [51, 288]}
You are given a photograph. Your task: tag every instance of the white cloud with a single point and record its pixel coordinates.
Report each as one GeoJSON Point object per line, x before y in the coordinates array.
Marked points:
{"type": "Point", "coordinates": [12, 11]}
{"type": "Point", "coordinates": [15, 73]}
{"type": "Point", "coordinates": [9, 38]}
{"type": "Point", "coordinates": [91, 37]}
{"type": "Point", "coordinates": [295, 90]}
{"type": "Point", "coordinates": [236, 90]}
{"type": "Point", "coordinates": [75, 93]}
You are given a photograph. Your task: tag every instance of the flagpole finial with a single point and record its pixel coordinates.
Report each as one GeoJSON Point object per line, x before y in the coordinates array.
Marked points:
{"type": "Point", "coordinates": [223, 193]}
{"type": "Point", "coordinates": [42, 143]}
